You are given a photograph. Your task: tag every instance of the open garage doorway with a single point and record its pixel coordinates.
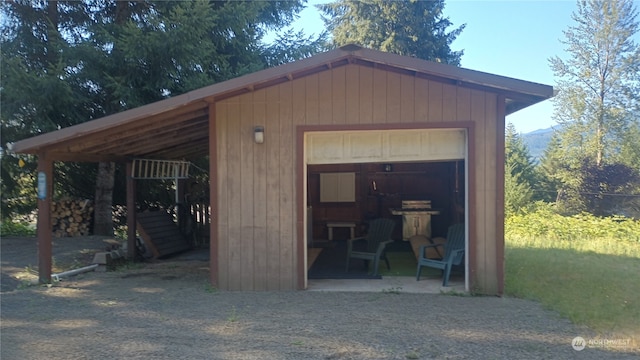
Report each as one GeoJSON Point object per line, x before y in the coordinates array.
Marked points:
{"type": "Point", "coordinates": [354, 177]}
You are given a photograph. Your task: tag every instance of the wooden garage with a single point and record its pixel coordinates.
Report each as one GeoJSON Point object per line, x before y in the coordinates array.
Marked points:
{"type": "Point", "coordinates": [421, 129]}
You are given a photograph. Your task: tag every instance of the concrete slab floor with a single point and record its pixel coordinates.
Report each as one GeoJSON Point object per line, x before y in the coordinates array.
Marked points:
{"type": "Point", "coordinates": [406, 284]}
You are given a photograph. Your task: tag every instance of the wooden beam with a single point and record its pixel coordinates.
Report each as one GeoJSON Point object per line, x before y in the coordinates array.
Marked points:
{"type": "Point", "coordinates": [214, 270]}
{"type": "Point", "coordinates": [183, 142]}
{"type": "Point", "coordinates": [105, 128]}
{"type": "Point", "coordinates": [85, 157]}
{"type": "Point", "coordinates": [105, 138]}
{"type": "Point", "coordinates": [194, 151]}
{"type": "Point", "coordinates": [301, 203]}
{"type": "Point", "coordinates": [471, 209]}
{"type": "Point", "coordinates": [157, 135]}
{"type": "Point", "coordinates": [131, 212]}
{"type": "Point", "coordinates": [45, 192]}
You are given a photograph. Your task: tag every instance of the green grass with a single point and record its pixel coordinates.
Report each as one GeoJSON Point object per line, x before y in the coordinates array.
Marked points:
{"type": "Point", "coordinates": [404, 264]}
{"type": "Point", "coordinates": [592, 281]}
{"type": "Point", "coordinates": [11, 228]}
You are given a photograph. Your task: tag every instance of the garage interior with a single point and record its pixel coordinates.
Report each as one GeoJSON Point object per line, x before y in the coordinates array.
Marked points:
{"type": "Point", "coordinates": [383, 190]}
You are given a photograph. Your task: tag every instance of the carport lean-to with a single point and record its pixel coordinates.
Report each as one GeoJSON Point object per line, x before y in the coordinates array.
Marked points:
{"type": "Point", "coordinates": [257, 188]}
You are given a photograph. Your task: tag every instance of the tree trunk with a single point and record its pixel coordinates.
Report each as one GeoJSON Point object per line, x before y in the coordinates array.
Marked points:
{"type": "Point", "coordinates": [103, 216]}
{"type": "Point", "coordinates": [52, 43]}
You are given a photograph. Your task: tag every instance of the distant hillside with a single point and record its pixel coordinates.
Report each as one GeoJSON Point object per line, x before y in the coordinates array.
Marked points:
{"type": "Point", "coordinates": [537, 142]}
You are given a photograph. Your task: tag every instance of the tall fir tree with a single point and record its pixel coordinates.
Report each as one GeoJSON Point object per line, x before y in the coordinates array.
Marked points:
{"type": "Point", "coordinates": [66, 62]}
{"type": "Point", "coordinates": [551, 168]}
{"type": "Point", "coordinates": [40, 91]}
{"type": "Point", "coordinates": [520, 173]}
{"type": "Point", "coordinates": [410, 28]}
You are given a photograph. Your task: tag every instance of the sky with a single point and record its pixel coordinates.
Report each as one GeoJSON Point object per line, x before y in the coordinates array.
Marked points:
{"type": "Point", "coordinates": [512, 38]}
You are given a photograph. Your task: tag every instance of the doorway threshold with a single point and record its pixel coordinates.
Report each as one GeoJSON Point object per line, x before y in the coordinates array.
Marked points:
{"type": "Point", "coordinates": [401, 284]}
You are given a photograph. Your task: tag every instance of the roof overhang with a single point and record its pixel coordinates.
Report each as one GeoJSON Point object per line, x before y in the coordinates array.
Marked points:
{"type": "Point", "coordinates": [177, 128]}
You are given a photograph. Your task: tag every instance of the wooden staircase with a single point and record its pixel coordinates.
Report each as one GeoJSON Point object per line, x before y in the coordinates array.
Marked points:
{"type": "Point", "coordinates": [160, 233]}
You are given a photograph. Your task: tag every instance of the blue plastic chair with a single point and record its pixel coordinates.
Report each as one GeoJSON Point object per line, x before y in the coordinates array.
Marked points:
{"type": "Point", "coordinates": [377, 238]}
{"type": "Point", "coordinates": [453, 253]}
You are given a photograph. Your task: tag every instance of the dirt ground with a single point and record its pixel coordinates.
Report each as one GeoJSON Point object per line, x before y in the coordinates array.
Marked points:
{"type": "Point", "coordinates": [168, 310]}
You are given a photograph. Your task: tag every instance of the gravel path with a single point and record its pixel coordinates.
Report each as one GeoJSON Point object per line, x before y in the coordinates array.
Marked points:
{"type": "Point", "coordinates": [168, 311]}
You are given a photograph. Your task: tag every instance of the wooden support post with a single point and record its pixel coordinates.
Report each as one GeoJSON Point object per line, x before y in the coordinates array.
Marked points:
{"type": "Point", "coordinates": [213, 197]}
{"type": "Point", "coordinates": [181, 191]}
{"type": "Point", "coordinates": [45, 192]}
{"type": "Point", "coordinates": [182, 207]}
{"type": "Point", "coordinates": [131, 212]}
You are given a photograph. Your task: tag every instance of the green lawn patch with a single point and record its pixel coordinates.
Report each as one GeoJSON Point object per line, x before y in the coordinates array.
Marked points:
{"type": "Point", "coordinates": [404, 264]}
{"type": "Point", "coordinates": [591, 281]}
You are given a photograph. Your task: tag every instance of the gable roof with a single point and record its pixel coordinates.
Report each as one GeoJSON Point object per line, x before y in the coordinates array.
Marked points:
{"type": "Point", "coordinates": [176, 128]}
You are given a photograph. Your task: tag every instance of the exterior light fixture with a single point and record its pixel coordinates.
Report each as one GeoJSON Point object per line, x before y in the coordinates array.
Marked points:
{"type": "Point", "coordinates": [388, 168]}
{"type": "Point", "coordinates": [258, 134]}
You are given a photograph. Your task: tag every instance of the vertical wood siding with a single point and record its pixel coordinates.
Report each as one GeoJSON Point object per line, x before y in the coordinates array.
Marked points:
{"type": "Point", "coordinates": [272, 178]}
{"type": "Point", "coordinates": [259, 201]}
{"type": "Point", "coordinates": [257, 222]}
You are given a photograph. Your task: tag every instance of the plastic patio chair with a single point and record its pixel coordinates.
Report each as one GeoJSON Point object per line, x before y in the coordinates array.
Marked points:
{"type": "Point", "coordinates": [453, 253]}
{"type": "Point", "coordinates": [377, 238]}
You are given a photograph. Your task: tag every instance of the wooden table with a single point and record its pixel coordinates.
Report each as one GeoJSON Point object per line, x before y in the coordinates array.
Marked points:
{"type": "Point", "coordinates": [340, 224]}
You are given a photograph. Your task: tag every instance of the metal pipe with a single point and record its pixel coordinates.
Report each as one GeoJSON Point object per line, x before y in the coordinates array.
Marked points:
{"type": "Point", "coordinates": [56, 277]}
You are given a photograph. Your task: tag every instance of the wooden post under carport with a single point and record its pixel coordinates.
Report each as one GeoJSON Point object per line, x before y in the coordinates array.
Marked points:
{"type": "Point", "coordinates": [214, 271]}
{"type": "Point", "coordinates": [131, 212]}
{"type": "Point", "coordinates": [45, 192]}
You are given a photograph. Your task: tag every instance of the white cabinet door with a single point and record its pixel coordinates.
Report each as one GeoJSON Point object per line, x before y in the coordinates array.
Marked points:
{"type": "Point", "coordinates": [338, 187]}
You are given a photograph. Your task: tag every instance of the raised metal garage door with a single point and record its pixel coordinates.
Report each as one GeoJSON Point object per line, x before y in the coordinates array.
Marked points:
{"type": "Point", "coordinates": [343, 147]}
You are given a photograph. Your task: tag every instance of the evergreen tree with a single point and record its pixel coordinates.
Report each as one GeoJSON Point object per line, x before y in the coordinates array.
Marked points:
{"type": "Point", "coordinates": [411, 28]}
{"type": "Point", "coordinates": [40, 91]}
{"type": "Point", "coordinates": [518, 194]}
{"type": "Point", "coordinates": [520, 172]}
{"type": "Point", "coordinates": [66, 62]}
{"type": "Point", "coordinates": [551, 169]}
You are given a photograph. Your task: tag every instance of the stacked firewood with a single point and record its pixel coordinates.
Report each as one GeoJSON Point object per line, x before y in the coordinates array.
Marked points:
{"type": "Point", "coordinates": [71, 217]}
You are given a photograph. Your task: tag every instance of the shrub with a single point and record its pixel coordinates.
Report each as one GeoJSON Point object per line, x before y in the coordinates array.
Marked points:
{"type": "Point", "coordinates": [10, 228]}
{"type": "Point", "coordinates": [544, 222]}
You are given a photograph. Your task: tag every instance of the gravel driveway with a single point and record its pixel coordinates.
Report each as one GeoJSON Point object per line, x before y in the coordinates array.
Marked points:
{"type": "Point", "coordinates": [169, 311]}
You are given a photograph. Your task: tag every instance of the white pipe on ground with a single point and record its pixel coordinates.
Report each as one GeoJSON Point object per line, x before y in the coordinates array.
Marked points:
{"type": "Point", "coordinates": [56, 277]}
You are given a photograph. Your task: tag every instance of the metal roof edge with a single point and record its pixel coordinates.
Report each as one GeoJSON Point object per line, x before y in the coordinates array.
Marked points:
{"type": "Point", "coordinates": [455, 72]}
